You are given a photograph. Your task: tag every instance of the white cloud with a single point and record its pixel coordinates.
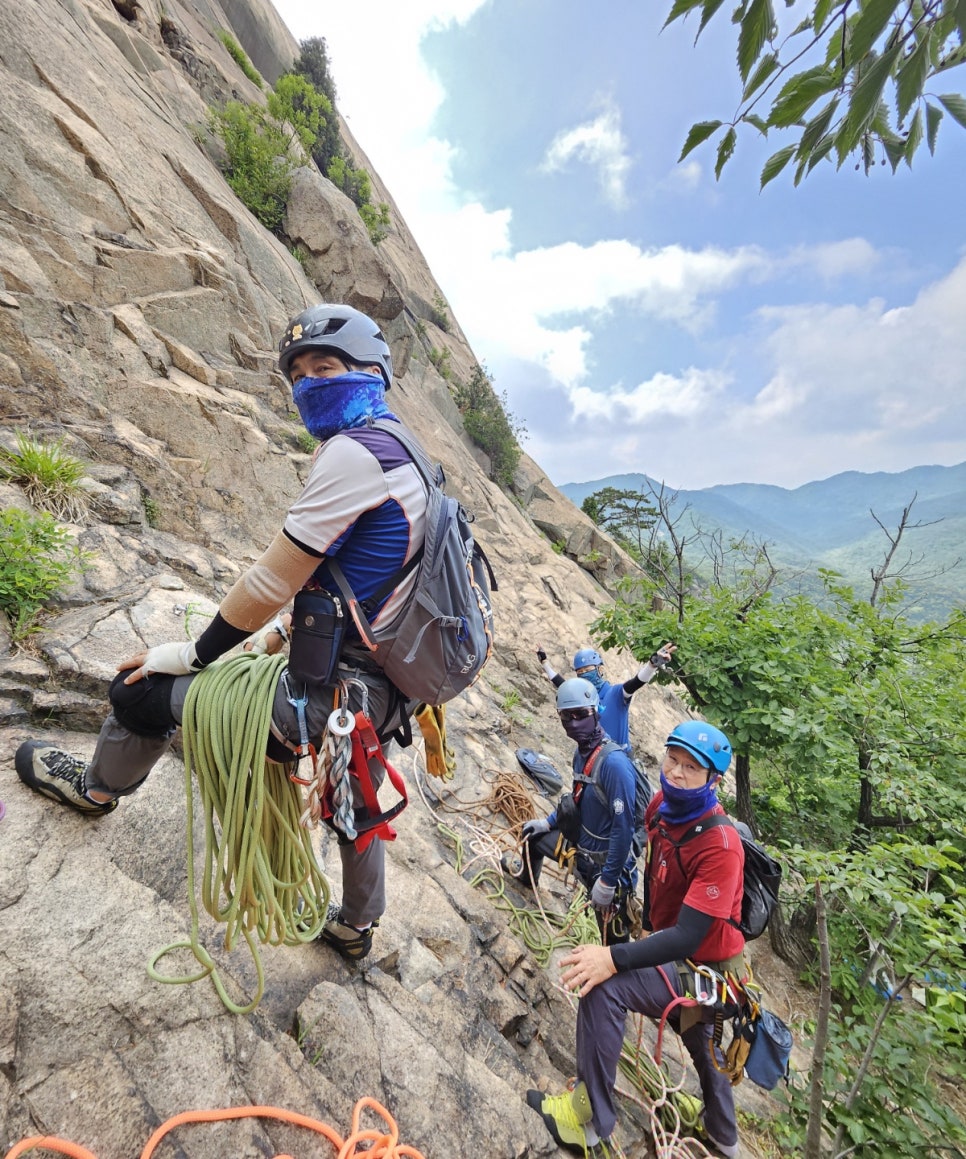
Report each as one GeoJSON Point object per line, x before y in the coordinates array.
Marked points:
{"type": "Point", "coordinates": [601, 144]}
{"type": "Point", "coordinates": [812, 389]}
{"type": "Point", "coordinates": [832, 260]}
{"type": "Point", "coordinates": [508, 303]}
{"type": "Point", "coordinates": [687, 176]}
{"type": "Point", "coordinates": [678, 396]}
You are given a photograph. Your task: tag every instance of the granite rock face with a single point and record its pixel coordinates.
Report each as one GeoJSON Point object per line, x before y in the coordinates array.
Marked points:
{"type": "Point", "coordinates": [140, 306]}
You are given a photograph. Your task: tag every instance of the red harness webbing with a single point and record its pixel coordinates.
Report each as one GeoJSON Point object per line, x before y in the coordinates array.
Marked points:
{"type": "Point", "coordinates": [366, 748]}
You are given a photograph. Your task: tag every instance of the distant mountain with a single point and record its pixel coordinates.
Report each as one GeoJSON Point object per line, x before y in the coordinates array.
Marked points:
{"type": "Point", "coordinates": [829, 523]}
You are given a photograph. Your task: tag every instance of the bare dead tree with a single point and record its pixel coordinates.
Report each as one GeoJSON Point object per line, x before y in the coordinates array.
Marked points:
{"type": "Point", "coordinates": [813, 1134]}
{"type": "Point", "coordinates": [885, 571]}
{"type": "Point", "coordinates": [667, 546]}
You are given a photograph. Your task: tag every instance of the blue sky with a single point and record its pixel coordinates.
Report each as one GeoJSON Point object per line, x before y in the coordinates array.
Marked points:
{"type": "Point", "coordinates": [637, 314]}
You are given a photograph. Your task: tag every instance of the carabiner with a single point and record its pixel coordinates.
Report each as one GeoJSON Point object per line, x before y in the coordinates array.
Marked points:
{"type": "Point", "coordinates": [705, 996]}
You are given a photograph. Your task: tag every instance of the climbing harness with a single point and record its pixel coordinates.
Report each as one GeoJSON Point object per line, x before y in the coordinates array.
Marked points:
{"type": "Point", "coordinates": [350, 748]}
{"type": "Point", "coordinates": [261, 878]}
{"type": "Point", "coordinates": [368, 1142]}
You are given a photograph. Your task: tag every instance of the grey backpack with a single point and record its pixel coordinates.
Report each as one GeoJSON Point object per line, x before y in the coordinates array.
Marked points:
{"type": "Point", "coordinates": [438, 642]}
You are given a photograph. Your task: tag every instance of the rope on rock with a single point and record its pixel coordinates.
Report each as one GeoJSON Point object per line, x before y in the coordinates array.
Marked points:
{"type": "Point", "coordinates": [673, 1113]}
{"type": "Point", "coordinates": [380, 1144]}
{"type": "Point", "coordinates": [261, 878]}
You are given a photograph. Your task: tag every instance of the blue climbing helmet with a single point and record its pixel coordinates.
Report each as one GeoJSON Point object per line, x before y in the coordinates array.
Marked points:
{"type": "Point", "coordinates": [705, 742]}
{"type": "Point", "coordinates": [577, 693]}
{"type": "Point", "coordinates": [350, 333]}
{"type": "Point", "coordinates": [587, 658]}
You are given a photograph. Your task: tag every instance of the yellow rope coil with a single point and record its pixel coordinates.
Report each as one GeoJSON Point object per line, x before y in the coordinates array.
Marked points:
{"type": "Point", "coordinates": [261, 878]}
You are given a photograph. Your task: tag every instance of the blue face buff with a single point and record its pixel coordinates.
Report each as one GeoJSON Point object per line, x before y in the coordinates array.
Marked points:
{"type": "Point", "coordinates": [330, 405]}
{"type": "Point", "coordinates": [680, 805]}
{"type": "Point", "coordinates": [592, 676]}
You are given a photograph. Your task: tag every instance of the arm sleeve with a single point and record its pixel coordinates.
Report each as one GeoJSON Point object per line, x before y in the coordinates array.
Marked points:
{"type": "Point", "coordinates": [619, 783]}
{"type": "Point", "coordinates": [672, 945]}
{"type": "Point", "coordinates": [217, 639]}
{"type": "Point", "coordinates": [268, 585]}
{"type": "Point", "coordinates": [644, 675]}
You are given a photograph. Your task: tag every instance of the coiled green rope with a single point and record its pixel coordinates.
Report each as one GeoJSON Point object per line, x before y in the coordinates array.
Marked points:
{"type": "Point", "coordinates": [260, 877]}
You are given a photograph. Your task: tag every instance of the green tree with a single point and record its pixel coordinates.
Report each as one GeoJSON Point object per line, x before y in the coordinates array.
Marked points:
{"type": "Point", "coordinates": [297, 103]}
{"type": "Point", "coordinates": [313, 65]}
{"type": "Point", "coordinates": [258, 166]}
{"type": "Point", "coordinates": [626, 515]}
{"type": "Point", "coordinates": [848, 77]}
{"type": "Point", "coordinates": [895, 920]}
{"type": "Point", "coordinates": [489, 424]}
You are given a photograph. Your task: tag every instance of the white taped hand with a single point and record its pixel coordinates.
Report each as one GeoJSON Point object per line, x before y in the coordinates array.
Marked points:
{"type": "Point", "coordinates": [270, 639]}
{"type": "Point", "coordinates": [176, 659]}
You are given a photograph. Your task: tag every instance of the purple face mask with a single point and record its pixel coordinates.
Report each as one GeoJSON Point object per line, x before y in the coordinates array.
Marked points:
{"type": "Point", "coordinates": [584, 733]}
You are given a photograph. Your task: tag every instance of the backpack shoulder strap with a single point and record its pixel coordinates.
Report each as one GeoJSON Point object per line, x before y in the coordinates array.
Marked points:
{"type": "Point", "coordinates": [432, 473]}
{"type": "Point", "coordinates": [432, 477]}
{"type": "Point", "coordinates": [702, 827]}
{"type": "Point", "coordinates": [592, 776]}
{"type": "Point", "coordinates": [695, 831]}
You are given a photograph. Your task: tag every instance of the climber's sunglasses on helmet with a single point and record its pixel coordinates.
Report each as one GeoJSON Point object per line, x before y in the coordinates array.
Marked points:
{"type": "Point", "coordinates": [567, 714]}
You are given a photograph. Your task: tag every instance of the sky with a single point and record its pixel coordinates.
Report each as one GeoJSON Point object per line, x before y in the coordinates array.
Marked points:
{"type": "Point", "coordinates": [637, 314]}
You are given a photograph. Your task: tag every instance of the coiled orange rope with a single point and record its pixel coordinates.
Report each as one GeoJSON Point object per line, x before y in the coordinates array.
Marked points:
{"type": "Point", "coordinates": [380, 1144]}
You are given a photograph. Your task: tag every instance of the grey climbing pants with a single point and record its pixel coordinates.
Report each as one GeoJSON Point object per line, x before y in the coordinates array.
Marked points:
{"type": "Point", "coordinates": [601, 1015]}
{"type": "Point", "coordinates": [123, 759]}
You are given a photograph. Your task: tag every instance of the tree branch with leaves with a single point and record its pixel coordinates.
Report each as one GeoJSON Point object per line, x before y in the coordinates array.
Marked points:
{"type": "Point", "coordinates": [851, 77]}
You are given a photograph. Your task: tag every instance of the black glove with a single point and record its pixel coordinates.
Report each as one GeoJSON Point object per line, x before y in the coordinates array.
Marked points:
{"type": "Point", "coordinates": [541, 655]}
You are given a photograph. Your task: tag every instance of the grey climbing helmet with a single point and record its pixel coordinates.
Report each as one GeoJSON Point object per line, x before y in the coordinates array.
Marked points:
{"type": "Point", "coordinates": [576, 693]}
{"type": "Point", "coordinates": [343, 329]}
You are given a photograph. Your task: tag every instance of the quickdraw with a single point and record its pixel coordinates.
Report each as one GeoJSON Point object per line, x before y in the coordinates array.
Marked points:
{"type": "Point", "coordinates": [729, 997]}
{"type": "Point", "coordinates": [350, 748]}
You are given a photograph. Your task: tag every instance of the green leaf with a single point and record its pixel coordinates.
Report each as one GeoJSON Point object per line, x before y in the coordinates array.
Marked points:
{"type": "Point", "coordinates": [914, 140]}
{"type": "Point", "coordinates": [959, 15]}
{"type": "Point", "coordinates": [821, 14]}
{"type": "Point", "coordinates": [867, 29]}
{"type": "Point", "coordinates": [710, 8]}
{"type": "Point", "coordinates": [821, 151]}
{"type": "Point", "coordinates": [756, 28]}
{"type": "Point", "coordinates": [864, 102]}
{"type": "Point", "coordinates": [681, 8]}
{"type": "Point", "coordinates": [955, 105]}
{"type": "Point", "coordinates": [698, 133]}
{"type": "Point", "coordinates": [766, 66]}
{"type": "Point", "coordinates": [895, 149]}
{"type": "Point", "coordinates": [725, 148]}
{"type": "Point", "coordinates": [775, 164]}
{"type": "Point", "coordinates": [912, 76]}
{"type": "Point", "coordinates": [759, 124]}
{"type": "Point", "coordinates": [816, 128]}
{"type": "Point", "coordinates": [799, 93]}
{"type": "Point", "coordinates": [933, 117]}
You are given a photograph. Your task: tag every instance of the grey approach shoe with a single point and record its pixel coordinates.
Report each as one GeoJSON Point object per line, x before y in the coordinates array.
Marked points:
{"type": "Point", "coordinates": [57, 775]}
{"type": "Point", "coordinates": [352, 943]}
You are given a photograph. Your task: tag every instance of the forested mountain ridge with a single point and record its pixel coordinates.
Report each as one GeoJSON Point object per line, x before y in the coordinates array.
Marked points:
{"type": "Point", "coordinates": [829, 523]}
